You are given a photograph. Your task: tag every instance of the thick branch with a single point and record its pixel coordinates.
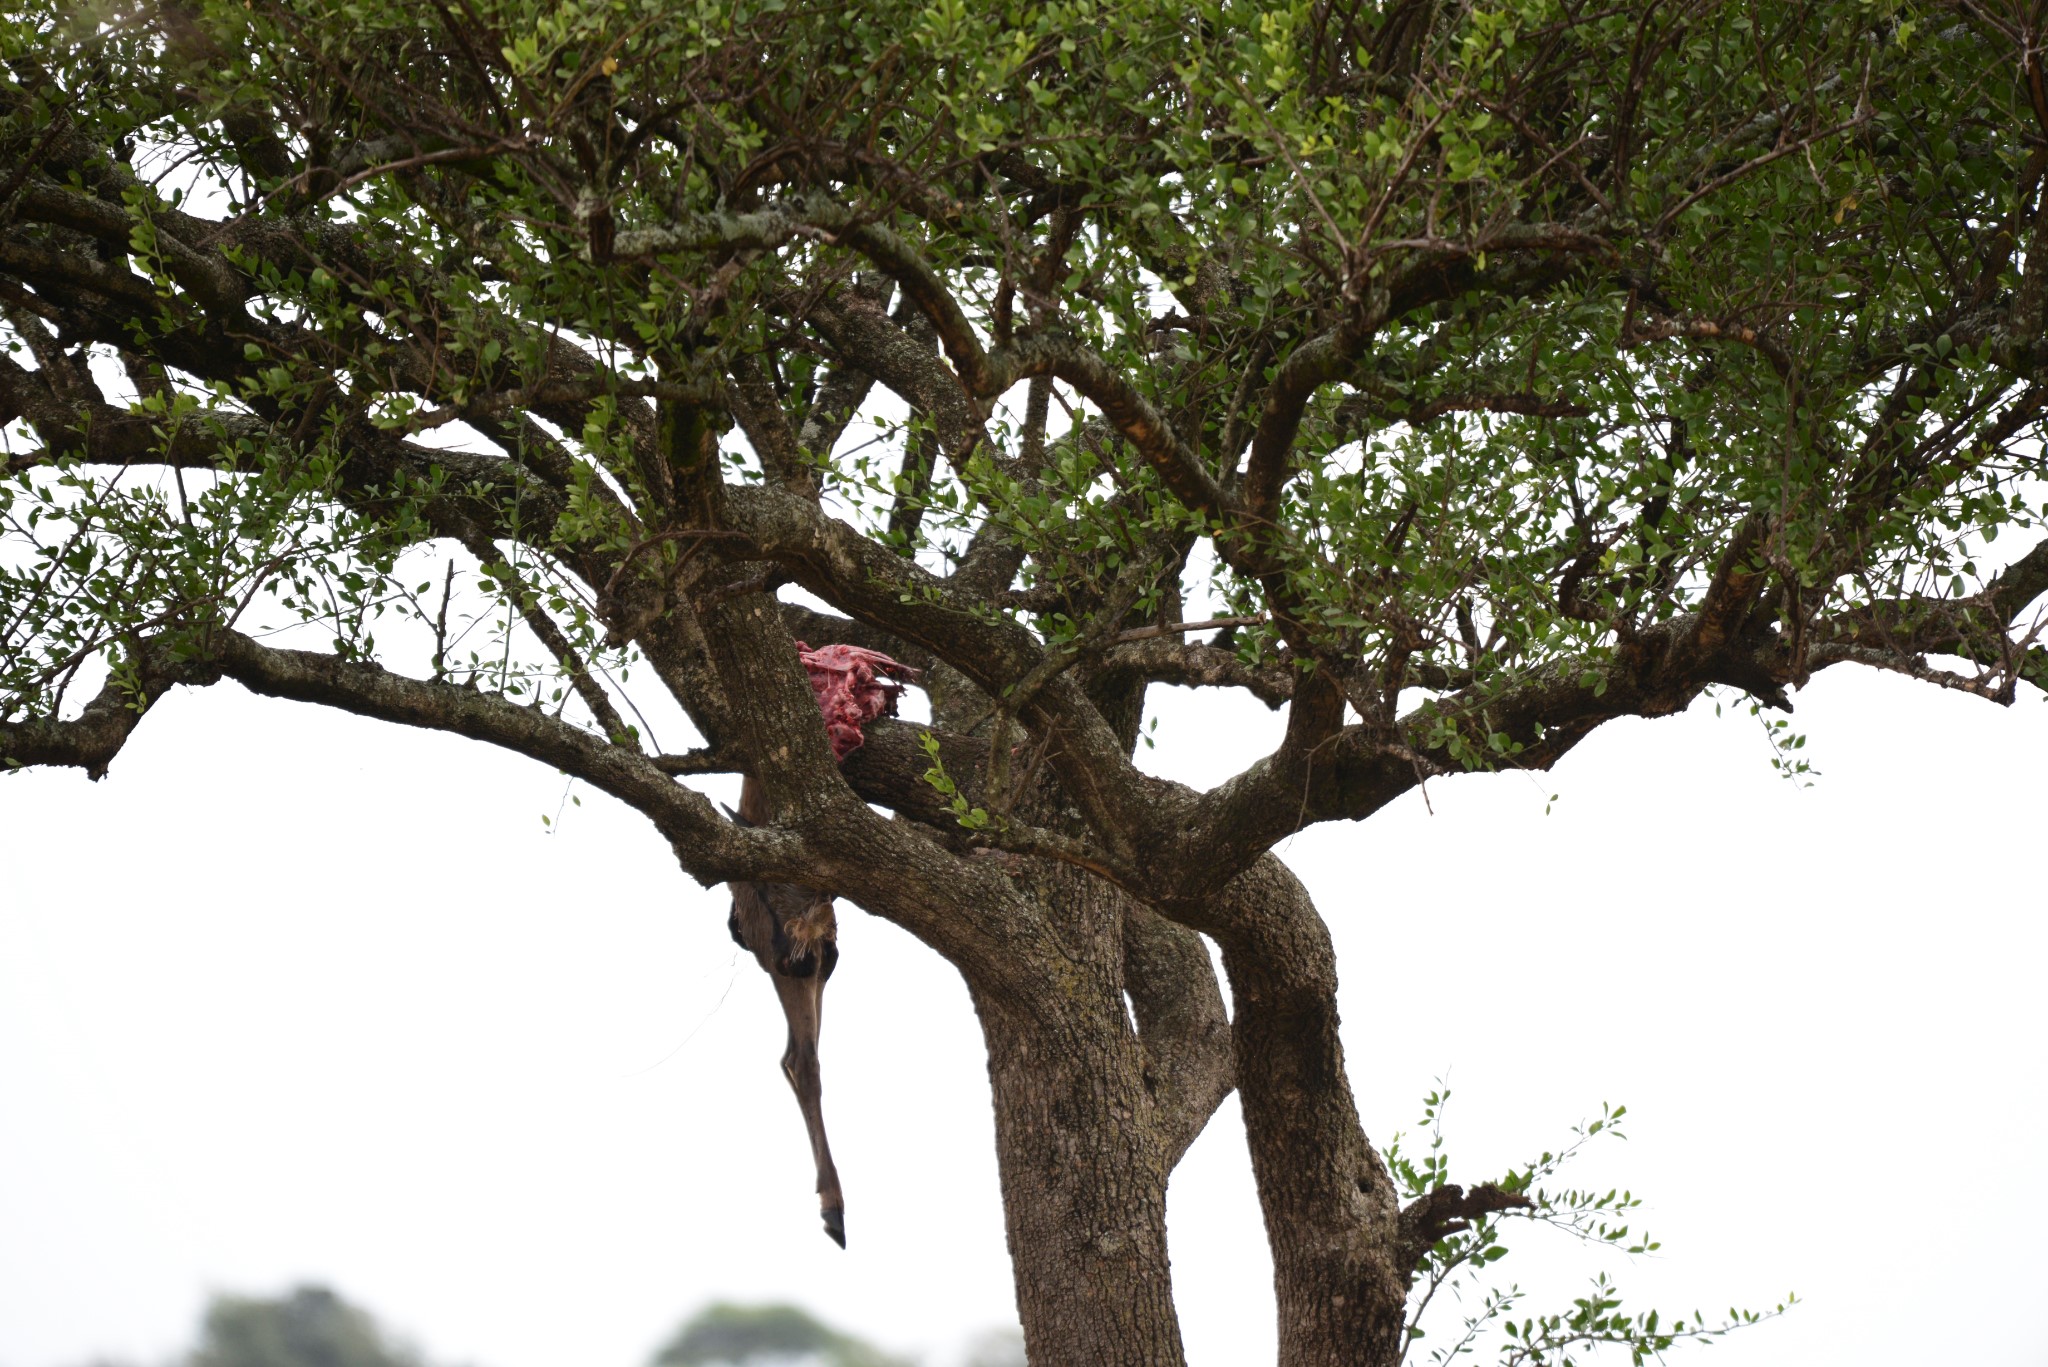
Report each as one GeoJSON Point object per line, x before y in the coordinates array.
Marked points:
{"type": "Point", "coordinates": [858, 330]}
{"type": "Point", "coordinates": [1181, 1024]}
{"type": "Point", "coordinates": [1193, 664]}
{"type": "Point", "coordinates": [1332, 1216]}
{"type": "Point", "coordinates": [91, 740]}
{"type": "Point", "coordinates": [1132, 414]}
{"type": "Point", "coordinates": [709, 848]}
{"type": "Point", "coordinates": [1311, 366]}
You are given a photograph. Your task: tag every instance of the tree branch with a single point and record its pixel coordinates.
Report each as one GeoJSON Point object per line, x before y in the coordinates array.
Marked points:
{"type": "Point", "coordinates": [1181, 1024]}
{"type": "Point", "coordinates": [91, 740]}
{"type": "Point", "coordinates": [1130, 412]}
{"type": "Point", "coordinates": [1448, 1210]}
{"type": "Point", "coordinates": [1193, 664]}
{"type": "Point", "coordinates": [709, 848]}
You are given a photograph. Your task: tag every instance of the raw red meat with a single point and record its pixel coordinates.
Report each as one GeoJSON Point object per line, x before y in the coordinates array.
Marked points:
{"type": "Point", "coordinates": [853, 687]}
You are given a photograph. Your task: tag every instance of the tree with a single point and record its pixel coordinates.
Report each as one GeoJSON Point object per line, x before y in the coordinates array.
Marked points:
{"type": "Point", "coordinates": [726, 1335]}
{"type": "Point", "coordinates": [308, 1327]}
{"type": "Point", "coordinates": [1469, 376]}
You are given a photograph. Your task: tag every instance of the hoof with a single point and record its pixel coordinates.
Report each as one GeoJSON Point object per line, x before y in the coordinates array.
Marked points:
{"type": "Point", "coordinates": [835, 1224]}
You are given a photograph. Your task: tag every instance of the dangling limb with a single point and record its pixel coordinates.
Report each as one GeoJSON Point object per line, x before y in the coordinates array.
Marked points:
{"type": "Point", "coordinates": [803, 1003]}
{"type": "Point", "coordinates": [791, 928]}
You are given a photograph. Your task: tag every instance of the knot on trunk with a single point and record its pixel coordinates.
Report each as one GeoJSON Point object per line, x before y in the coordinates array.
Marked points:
{"type": "Point", "coordinates": [1448, 1210]}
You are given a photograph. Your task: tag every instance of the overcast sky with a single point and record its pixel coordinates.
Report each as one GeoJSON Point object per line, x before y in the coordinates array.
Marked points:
{"type": "Point", "coordinates": [294, 996]}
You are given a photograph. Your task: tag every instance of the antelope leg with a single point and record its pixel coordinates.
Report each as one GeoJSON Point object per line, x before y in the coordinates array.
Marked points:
{"type": "Point", "coordinates": [762, 915]}
{"type": "Point", "coordinates": [803, 1002]}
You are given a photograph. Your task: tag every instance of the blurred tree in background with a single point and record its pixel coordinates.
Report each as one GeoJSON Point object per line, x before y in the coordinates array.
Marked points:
{"type": "Point", "coordinates": [309, 1326]}
{"type": "Point", "coordinates": [724, 1333]}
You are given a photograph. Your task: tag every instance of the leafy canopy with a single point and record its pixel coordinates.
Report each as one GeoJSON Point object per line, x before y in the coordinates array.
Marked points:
{"type": "Point", "coordinates": [1487, 356]}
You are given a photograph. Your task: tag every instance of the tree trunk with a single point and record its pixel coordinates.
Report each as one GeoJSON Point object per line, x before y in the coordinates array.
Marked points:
{"type": "Point", "coordinates": [1332, 1216]}
{"type": "Point", "coordinates": [1083, 1157]}
{"type": "Point", "coordinates": [1084, 1193]}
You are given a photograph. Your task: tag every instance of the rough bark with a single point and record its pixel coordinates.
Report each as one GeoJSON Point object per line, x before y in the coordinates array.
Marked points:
{"type": "Point", "coordinates": [1084, 1162]}
{"type": "Point", "coordinates": [1332, 1218]}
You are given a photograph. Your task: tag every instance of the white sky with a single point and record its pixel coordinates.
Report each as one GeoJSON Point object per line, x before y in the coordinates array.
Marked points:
{"type": "Point", "coordinates": [328, 1004]}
